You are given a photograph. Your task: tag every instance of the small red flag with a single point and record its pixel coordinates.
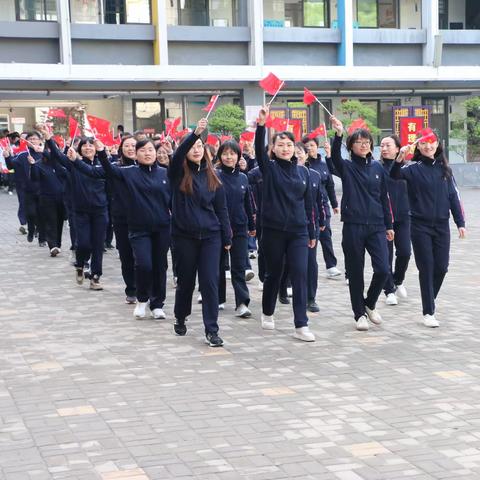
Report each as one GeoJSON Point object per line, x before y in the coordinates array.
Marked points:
{"type": "Point", "coordinates": [271, 84]}
{"type": "Point", "coordinates": [100, 129]}
{"type": "Point", "coordinates": [357, 124]}
{"type": "Point", "coordinates": [318, 132]}
{"type": "Point", "coordinates": [171, 127]}
{"type": "Point", "coordinates": [73, 127]}
{"type": "Point", "coordinates": [427, 135]}
{"type": "Point", "coordinates": [308, 97]}
{"type": "Point", "coordinates": [56, 113]}
{"type": "Point", "coordinates": [211, 104]}
{"type": "Point", "coordinates": [247, 136]}
{"type": "Point", "coordinates": [225, 138]}
{"type": "Point", "coordinates": [280, 124]}
{"type": "Point", "coordinates": [21, 147]}
{"type": "Point", "coordinates": [60, 141]}
{"type": "Point", "coordinates": [269, 121]}
{"type": "Point", "coordinates": [212, 140]}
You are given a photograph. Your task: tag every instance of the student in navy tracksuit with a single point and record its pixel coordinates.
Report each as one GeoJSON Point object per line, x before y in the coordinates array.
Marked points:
{"type": "Point", "coordinates": [200, 227]}
{"type": "Point", "coordinates": [240, 214]}
{"type": "Point", "coordinates": [288, 228]}
{"type": "Point", "coordinates": [316, 163]}
{"type": "Point", "coordinates": [320, 224]}
{"type": "Point", "coordinates": [367, 220]}
{"type": "Point", "coordinates": [29, 189]}
{"type": "Point", "coordinates": [146, 191]}
{"type": "Point", "coordinates": [433, 195]}
{"type": "Point", "coordinates": [119, 209]}
{"type": "Point", "coordinates": [394, 288]}
{"type": "Point", "coordinates": [51, 179]}
{"type": "Point", "coordinates": [90, 203]}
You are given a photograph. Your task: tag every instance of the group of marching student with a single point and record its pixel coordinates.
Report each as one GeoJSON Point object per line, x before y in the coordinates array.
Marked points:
{"type": "Point", "coordinates": [204, 211]}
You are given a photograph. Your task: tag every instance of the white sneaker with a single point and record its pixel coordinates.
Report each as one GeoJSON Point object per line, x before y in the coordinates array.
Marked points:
{"type": "Point", "coordinates": [221, 306]}
{"type": "Point", "coordinates": [401, 291]}
{"type": "Point", "coordinates": [268, 322]}
{"type": "Point", "coordinates": [249, 274]}
{"type": "Point", "coordinates": [289, 291]}
{"type": "Point", "coordinates": [304, 334]}
{"type": "Point", "coordinates": [430, 321]}
{"type": "Point", "coordinates": [333, 272]}
{"type": "Point", "coordinates": [139, 311]}
{"type": "Point", "coordinates": [54, 251]}
{"type": "Point", "coordinates": [158, 313]}
{"type": "Point", "coordinates": [391, 299]}
{"type": "Point", "coordinates": [242, 311]}
{"type": "Point", "coordinates": [373, 316]}
{"type": "Point", "coordinates": [228, 275]}
{"type": "Point", "coordinates": [260, 286]}
{"type": "Point", "coordinates": [252, 254]}
{"type": "Point", "coordinates": [199, 298]}
{"type": "Point", "coordinates": [362, 324]}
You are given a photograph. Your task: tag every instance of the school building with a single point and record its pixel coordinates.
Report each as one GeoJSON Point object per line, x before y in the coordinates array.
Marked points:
{"type": "Point", "coordinates": [138, 62]}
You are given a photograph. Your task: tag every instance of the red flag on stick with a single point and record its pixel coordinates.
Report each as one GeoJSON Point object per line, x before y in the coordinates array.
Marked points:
{"type": "Point", "coordinates": [271, 84]}
{"type": "Point", "coordinates": [60, 141]}
{"type": "Point", "coordinates": [308, 97]}
{"type": "Point", "coordinates": [100, 128]}
{"type": "Point", "coordinates": [211, 105]}
{"type": "Point", "coordinates": [212, 140]}
{"type": "Point", "coordinates": [56, 113]}
{"type": "Point", "coordinates": [356, 124]}
{"type": "Point", "coordinates": [22, 147]}
{"type": "Point", "coordinates": [171, 127]}
{"type": "Point", "coordinates": [321, 131]}
{"type": "Point", "coordinates": [247, 136]}
{"type": "Point", "coordinates": [280, 124]}
{"type": "Point", "coordinates": [73, 128]}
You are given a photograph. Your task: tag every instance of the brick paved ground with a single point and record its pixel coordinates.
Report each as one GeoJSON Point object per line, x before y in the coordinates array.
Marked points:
{"type": "Point", "coordinates": [86, 392]}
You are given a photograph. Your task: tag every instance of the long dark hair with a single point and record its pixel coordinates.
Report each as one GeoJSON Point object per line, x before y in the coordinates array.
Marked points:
{"type": "Point", "coordinates": [439, 156]}
{"type": "Point", "coordinates": [186, 185]}
{"type": "Point", "coordinates": [121, 156]}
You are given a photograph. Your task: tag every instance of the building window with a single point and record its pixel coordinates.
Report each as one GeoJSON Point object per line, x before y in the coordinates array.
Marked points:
{"type": "Point", "coordinates": [296, 13]}
{"type": "Point", "coordinates": [36, 10]}
{"type": "Point", "coordinates": [110, 11]}
{"type": "Point", "coordinates": [388, 14]}
{"type": "Point", "coordinates": [204, 13]}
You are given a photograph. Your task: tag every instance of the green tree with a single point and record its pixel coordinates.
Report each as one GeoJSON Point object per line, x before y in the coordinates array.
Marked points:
{"type": "Point", "coordinates": [228, 120]}
{"type": "Point", "coordinates": [466, 129]}
{"type": "Point", "coordinates": [353, 109]}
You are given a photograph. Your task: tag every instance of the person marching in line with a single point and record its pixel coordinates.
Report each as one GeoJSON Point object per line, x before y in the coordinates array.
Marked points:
{"type": "Point", "coordinates": [287, 225]}
{"type": "Point", "coordinates": [240, 214]}
{"type": "Point", "coordinates": [320, 225]}
{"type": "Point", "coordinates": [367, 220]}
{"type": "Point", "coordinates": [146, 190]}
{"type": "Point", "coordinates": [200, 227]}
{"type": "Point", "coordinates": [397, 190]}
{"type": "Point", "coordinates": [119, 209]}
{"type": "Point", "coordinates": [90, 204]}
{"type": "Point", "coordinates": [316, 163]}
{"type": "Point", "coordinates": [433, 195]}
{"type": "Point", "coordinates": [51, 179]}
{"type": "Point", "coordinates": [28, 188]}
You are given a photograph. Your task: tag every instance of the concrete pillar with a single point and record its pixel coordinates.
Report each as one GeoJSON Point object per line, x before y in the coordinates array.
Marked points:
{"type": "Point", "coordinates": [159, 21]}
{"type": "Point", "coordinates": [65, 38]}
{"type": "Point", "coordinates": [345, 24]}
{"type": "Point", "coordinates": [430, 25]}
{"type": "Point", "coordinates": [255, 21]}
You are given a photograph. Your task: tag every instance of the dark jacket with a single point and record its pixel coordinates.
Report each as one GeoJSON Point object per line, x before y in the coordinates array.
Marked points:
{"type": "Point", "coordinates": [365, 196]}
{"type": "Point", "coordinates": [51, 178]}
{"type": "Point", "coordinates": [287, 199]}
{"type": "Point", "coordinates": [239, 204]}
{"type": "Point", "coordinates": [397, 190]}
{"type": "Point", "coordinates": [21, 166]}
{"type": "Point", "coordinates": [118, 201]}
{"type": "Point", "coordinates": [432, 196]}
{"type": "Point", "coordinates": [203, 213]}
{"type": "Point", "coordinates": [88, 192]}
{"type": "Point", "coordinates": [318, 201]}
{"type": "Point", "coordinates": [327, 183]}
{"type": "Point", "coordinates": [146, 191]}
{"type": "Point", "coordinates": [255, 180]}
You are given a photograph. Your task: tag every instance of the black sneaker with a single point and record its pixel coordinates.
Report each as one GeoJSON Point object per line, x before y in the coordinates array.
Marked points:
{"type": "Point", "coordinates": [214, 340]}
{"type": "Point", "coordinates": [283, 300]}
{"type": "Point", "coordinates": [30, 238]}
{"type": "Point", "coordinates": [180, 327]}
{"type": "Point", "coordinates": [22, 230]}
{"type": "Point", "coordinates": [313, 307]}
{"type": "Point", "coordinates": [130, 300]}
{"type": "Point", "coordinates": [42, 244]}
{"type": "Point", "coordinates": [79, 275]}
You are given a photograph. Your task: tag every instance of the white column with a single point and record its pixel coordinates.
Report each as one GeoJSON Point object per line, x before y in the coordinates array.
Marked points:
{"type": "Point", "coordinates": [65, 38]}
{"type": "Point", "coordinates": [159, 20]}
{"type": "Point", "coordinates": [430, 25]}
{"type": "Point", "coordinates": [255, 21]}
{"type": "Point", "coordinates": [345, 24]}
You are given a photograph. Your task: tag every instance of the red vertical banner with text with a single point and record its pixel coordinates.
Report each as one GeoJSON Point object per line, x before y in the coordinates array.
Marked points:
{"type": "Point", "coordinates": [409, 128]}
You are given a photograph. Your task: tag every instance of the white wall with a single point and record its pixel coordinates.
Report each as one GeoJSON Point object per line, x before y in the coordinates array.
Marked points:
{"type": "Point", "coordinates": [7, 11]}
{"type": "Point", "coordinates": [411, 14]}
{"type": "Point", "coordinates": [456, 11]}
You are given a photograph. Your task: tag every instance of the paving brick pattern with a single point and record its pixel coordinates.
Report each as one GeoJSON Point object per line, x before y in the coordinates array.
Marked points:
{"type": "Point", "coordinates": [87, 392]}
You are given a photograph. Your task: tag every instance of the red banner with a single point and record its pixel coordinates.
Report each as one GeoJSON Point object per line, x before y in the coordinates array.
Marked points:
{"type": "Point", "coordinates": [409, 128]}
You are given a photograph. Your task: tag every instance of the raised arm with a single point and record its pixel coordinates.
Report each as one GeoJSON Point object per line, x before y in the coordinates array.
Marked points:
{"type": "Point", "coordinates": [57, 155]}
{"type": "Point", "coordinates": [110, 170]}
{"type": "Point", "coordinates": [175, 169]}
{"type": "Point", "coordinates": [260, 151]}
{"type": "Point", "coordinates": [337, 160]}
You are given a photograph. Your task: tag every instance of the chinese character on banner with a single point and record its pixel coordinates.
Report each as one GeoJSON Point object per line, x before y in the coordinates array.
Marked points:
{"type": "Point", "coordinates": [409, 127]}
